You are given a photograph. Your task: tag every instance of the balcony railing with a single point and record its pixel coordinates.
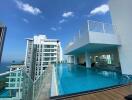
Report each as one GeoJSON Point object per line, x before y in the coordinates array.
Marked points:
{"type": "Point", "coordinates": [25, 88]}
{"type": "Point", "coordinates": [19, 86]}
{"type": "Point", "coordinates": [92, 26]}
{"type": "Point", "coordinates": [42, 84]}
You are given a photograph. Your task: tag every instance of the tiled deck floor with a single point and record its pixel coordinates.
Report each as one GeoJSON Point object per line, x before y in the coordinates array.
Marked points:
{"type": "Point", "coordinates": [111, 94]}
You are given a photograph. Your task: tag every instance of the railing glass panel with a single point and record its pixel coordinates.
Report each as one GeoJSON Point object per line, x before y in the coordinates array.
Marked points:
{"type": "Point", "coordinates": [92, 26]}
{"type": "Point", "coordinates": [84, 30]}
{"type": "Point", "coordinates": [108, 28]}
{"type": "Point", "coordinates": [95, 26]}
{"type": "Point", "coordinates": [27, 87]}
{"type": "Point", "coordinates": [18, 85]}
{"type": "Point", "coordinates": [42, 84]}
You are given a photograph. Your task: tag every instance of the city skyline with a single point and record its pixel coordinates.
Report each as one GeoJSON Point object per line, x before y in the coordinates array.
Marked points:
{"type": "Point", "coordinates": [27, 18]}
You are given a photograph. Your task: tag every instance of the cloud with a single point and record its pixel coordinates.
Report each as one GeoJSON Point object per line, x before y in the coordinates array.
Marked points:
{"type": "Point", "coordinates": [70, 44]}
{"type": "Point", "coordinates": [55, 28]}
{"type": "Point", "coordinates": [100, 10]}
{"type": "Point", "coordinates": [62, 21]}
{"type": "Point", "coordinates": [59, 28]}
{"type": "Point", "coordinates": [42, 17]}
{"type": "Point", "coordinates": [28, 8]}
{"type": "Point", "coordinates": [25, 20]}
{"type": "Point", "coordinates": [68, 14]}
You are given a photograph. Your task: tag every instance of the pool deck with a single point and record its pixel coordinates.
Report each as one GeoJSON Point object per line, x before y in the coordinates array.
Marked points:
{"type": "Point", "coordinates": [117, 93]}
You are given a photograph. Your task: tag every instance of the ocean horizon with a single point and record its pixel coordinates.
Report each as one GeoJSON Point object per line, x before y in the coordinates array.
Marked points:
{"type": "Point", "coordinates": [4, 66]}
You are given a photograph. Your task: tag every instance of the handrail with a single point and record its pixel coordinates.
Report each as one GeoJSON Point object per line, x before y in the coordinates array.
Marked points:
{"type": "Point", "coordinates": [26, 88]}
{"type": "Point", "coordinates": [41, 81]}
{"type": "Point", "coordinates": [93, 26]}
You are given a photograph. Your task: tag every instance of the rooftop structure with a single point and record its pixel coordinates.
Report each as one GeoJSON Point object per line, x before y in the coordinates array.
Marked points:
{"type": "Point", "coordinates": [96, 44]}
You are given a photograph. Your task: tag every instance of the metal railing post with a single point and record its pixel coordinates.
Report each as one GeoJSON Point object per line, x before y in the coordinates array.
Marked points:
{"type": "Point", "coordinates": [79, 34]}
{"type": "Point", "coordinates": [88, 25]}
{"type": "Point", "coordinates": [103, 27]}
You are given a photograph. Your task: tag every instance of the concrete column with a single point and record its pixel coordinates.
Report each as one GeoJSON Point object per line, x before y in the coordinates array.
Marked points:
{"type": "Point", "coordinates": [115, 58]}
{"type": "Point", "coordinates": [69, 60]}
{"type": "Point", "coordinates": [75, 60]}
{"type": "Point", "coordinates": [87, 59]}
{"type": "Point", "coordinates": [121, 14]}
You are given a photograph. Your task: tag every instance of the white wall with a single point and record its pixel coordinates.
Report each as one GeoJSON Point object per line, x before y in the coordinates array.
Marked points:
{"type": "Point", "coordinates": [121, 12]}
{"type": "Point", "coordinates": [104, 38]}
{"type": "Point", "coordinates": [94, 37]}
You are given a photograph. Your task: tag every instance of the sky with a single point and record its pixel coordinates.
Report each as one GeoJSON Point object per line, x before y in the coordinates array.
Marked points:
{"type": "Point", "coordinates": [57, 19]}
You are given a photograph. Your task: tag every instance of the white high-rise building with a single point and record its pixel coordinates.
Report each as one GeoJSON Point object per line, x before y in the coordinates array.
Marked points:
{"type": "Point", "coordinates": [40, 52]}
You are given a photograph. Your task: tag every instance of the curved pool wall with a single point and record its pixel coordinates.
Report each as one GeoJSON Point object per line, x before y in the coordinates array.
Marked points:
{"type": "Point", "coordinates": [75, 79]}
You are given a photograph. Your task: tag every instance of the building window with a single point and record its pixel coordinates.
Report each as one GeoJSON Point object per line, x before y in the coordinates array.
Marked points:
{"type": "Point", "coordinates": [12, 85]}
{"type": "Point", "coordinates": [45, 63]}
{"type": "Point", "coordinates": [19, 74]}
{"type": "Point", "coordinates": [47, 46]}
{"type": "Point", "coordinates": [46, 54]}
{"type": "Point", "coordinates": [12, 79]}
{"type": "Point", "coordinates": [52, 54]}
{"type": "Point", "coordinates": [52, 58]}
{"type": "Point", "coordinates": [44, 68]}
{"type": "Point", "coordinates": [46, 50]}
{"type": "Point", "coordinates": [18, 79]}
{"type": "Point", "coordinates": [40, 63]}
{"type": "Point", "coordinates": [13, 69]}
{"type": "Point", "coordinates": [27, 66]}
{"type": "Point", "coordinates": [13, 74]}
{"type": "Point", "coordinates": [46, 59]}
{"type": "Point", "coordinates": [52, 46]}
{"type": "Point", "coordinates": [52, 50]}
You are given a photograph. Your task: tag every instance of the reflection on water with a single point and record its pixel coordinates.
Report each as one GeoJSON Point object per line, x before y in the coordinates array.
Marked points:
{"type": "Point", "coordinates": [75, 78]}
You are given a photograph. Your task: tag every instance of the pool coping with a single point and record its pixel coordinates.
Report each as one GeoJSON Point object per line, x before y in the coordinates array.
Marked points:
{"type": "Point", "coordinates": [60, 97]}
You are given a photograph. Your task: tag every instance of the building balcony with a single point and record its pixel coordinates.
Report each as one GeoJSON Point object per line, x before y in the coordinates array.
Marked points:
{"type": "Point", "coordinates": [94, 36]}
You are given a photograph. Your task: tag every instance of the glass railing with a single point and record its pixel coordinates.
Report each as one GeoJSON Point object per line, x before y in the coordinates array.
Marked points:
{"type": "Point", "coordinates": [17, 85]}
{"type": "Point", "coordinates": [27, 87]}
{"type": "Point", "coordinates": [92, 26]}
{"type": "Point", "coordinates": [101, 27]}
{"type": "Point", "coordinates": [3, 84]}
{"type": "Point", "coordinates": [42, 84]}
{"type": "Point", "coordinates": [84, 30]}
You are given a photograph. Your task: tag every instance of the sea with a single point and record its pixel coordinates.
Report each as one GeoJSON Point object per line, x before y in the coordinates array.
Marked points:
{"type": "Point", "coordinates": [4, 66]}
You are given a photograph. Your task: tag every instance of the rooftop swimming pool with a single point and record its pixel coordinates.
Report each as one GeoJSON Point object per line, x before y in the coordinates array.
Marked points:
{"type": "Point", "coordinates": [75, 78]}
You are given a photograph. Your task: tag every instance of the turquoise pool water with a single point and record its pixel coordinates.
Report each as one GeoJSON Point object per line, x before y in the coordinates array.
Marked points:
{"type": "Point", "coordinates": [75, 78]}
{"type": "Point", "coordinates": [4, 93]}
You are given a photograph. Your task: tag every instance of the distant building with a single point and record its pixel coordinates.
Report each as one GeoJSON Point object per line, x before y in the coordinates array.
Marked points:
{"type": "Point", "coordinates": [2, 38]}
{"type": "Point", "coordinates": [15, 81]}
{"type": "Point", "coordinates": [40, 52]}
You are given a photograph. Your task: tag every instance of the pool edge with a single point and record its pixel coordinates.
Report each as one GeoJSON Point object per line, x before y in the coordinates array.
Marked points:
{"type": "Point", "coordinates": [87, 92]}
